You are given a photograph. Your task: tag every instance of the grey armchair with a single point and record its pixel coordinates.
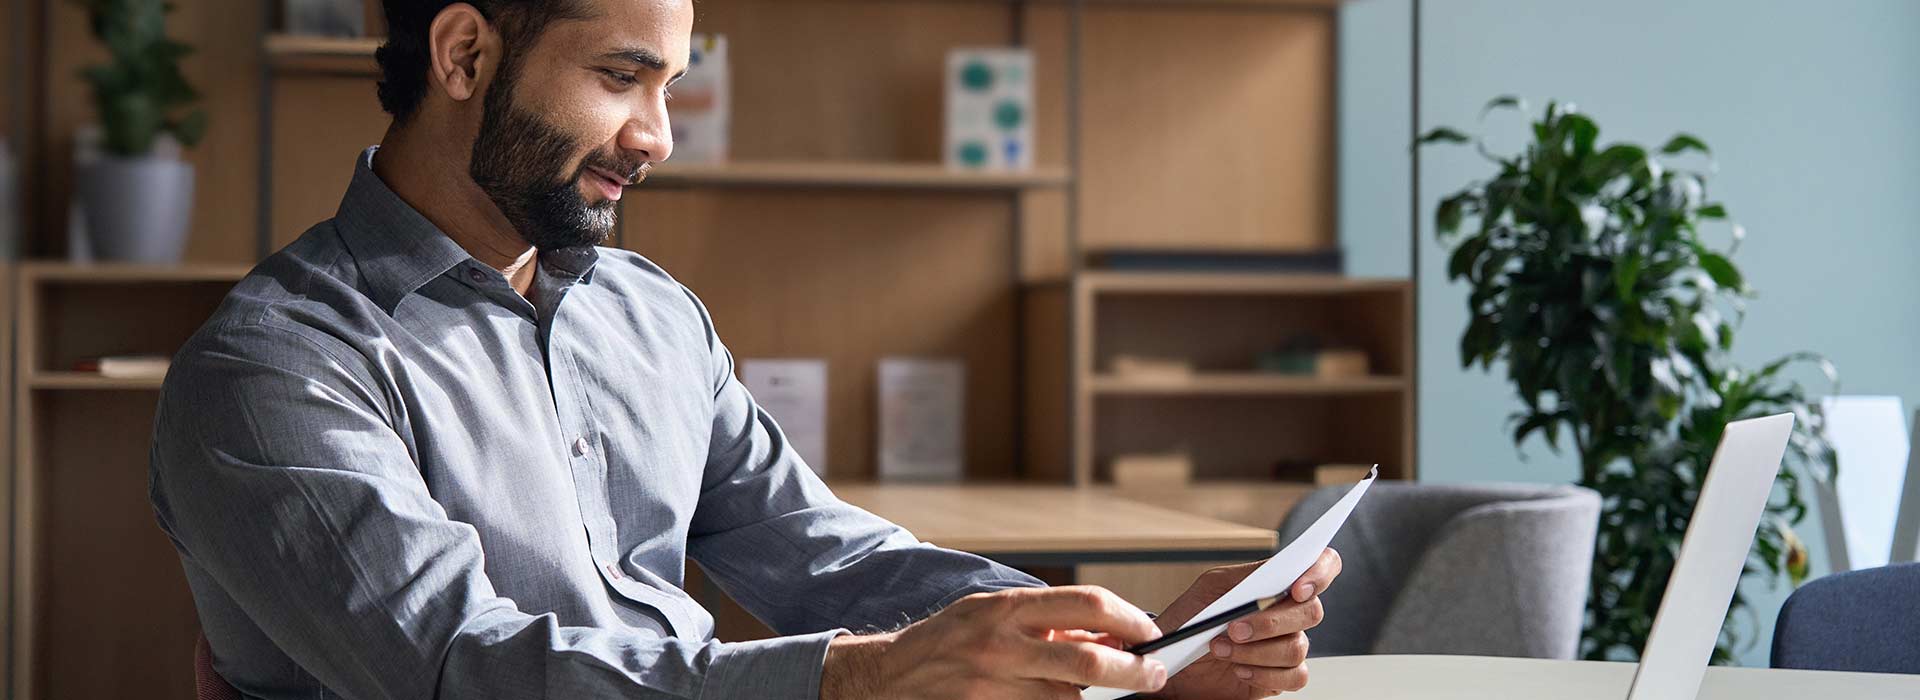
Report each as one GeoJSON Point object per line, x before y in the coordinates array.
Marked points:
{"type": "Point", "coordinates": [1483, 569]}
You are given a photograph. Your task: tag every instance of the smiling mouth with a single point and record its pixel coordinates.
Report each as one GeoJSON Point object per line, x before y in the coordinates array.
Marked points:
{"type": "Point", "coordinates": [610, 184]}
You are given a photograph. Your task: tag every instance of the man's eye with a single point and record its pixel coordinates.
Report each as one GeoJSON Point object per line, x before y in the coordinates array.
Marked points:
{"type": "Point", "coordinates": [622, 78]}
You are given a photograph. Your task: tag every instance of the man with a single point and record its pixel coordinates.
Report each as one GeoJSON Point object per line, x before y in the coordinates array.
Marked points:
{"type": "Point", "coordinates": [444, 446]}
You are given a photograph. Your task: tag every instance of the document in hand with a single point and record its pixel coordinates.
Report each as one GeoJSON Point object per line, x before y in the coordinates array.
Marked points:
{"type": "Point", "coordinates": [1274, 577]}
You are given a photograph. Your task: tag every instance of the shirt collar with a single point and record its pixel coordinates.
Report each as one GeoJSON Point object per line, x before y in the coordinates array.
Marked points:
{"type": "Point", "coordinates": [397, 250]}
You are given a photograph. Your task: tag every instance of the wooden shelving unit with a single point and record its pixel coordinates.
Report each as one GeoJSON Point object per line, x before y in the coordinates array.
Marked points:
{"type": "Point", "coordinates": [81, 527]}
{"type": "Point", "coordinates": [1240, 425]}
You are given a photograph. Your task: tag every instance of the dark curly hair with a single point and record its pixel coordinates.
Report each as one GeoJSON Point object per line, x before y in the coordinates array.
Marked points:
{"type": "Point", "coordinates": [403, 58]}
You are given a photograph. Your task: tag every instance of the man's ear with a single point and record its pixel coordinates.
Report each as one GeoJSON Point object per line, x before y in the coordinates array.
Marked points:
{"type": "Point", "coordinates": [462, 50]}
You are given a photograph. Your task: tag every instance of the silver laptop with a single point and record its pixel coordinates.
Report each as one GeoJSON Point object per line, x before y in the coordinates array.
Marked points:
{"type": "Point", "coordinates": [1711, 559]}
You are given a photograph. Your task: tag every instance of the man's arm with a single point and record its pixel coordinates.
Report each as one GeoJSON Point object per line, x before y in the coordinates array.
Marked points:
{"type": "Point", "coordinates": [798, 558]}
{"type": "Point", "coordinates": [276, 470]}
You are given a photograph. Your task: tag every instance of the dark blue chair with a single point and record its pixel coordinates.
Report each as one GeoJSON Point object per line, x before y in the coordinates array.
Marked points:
{"type": "Point", "coordinates": [1866, 620]}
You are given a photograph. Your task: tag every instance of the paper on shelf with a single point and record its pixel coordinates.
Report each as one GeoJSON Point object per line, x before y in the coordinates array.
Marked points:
{"type": "Point", "coordinates": [1275, 576]}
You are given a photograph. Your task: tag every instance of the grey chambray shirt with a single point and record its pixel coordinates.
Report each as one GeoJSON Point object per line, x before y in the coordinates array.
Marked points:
{"type": "Point", "coordinates": [389, 475]}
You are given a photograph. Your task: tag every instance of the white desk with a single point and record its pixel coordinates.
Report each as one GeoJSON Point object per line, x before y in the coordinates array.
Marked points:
{"type": "Point", "coordinates": [1484, 678]}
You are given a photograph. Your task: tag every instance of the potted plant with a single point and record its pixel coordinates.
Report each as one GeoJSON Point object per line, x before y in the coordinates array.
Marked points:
{"type": "Point", "coordinates": [138, 196]}
{"type": "Point", "coordinates": [1592, 286]}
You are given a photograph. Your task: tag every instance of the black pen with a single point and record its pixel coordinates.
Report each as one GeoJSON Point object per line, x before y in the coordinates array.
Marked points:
{"type": "Point", "coordinates": [1203, 626]}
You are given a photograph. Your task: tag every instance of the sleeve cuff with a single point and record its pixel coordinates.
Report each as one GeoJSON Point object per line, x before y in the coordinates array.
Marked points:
{"type": "Point", "coordinates": [775, 669]}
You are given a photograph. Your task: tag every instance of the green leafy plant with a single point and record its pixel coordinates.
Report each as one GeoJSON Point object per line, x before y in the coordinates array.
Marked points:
{"type": "Point", "coordinates": [140, 92]}
{"type": "Point", "coordinates": [1592, 286]}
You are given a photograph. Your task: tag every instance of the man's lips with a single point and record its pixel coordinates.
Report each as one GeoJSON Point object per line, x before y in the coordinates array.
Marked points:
{"type": "Point", "coordinates": [610, 185]}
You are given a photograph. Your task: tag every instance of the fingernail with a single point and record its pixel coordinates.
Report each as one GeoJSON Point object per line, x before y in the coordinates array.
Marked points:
{"type": "Point", "coordinates": [1240, 631]}
{"type": "Point", "coordinates": [1243, 672]}
{"type": "Point", "coordinates": [1222, 649]}
{"type": "Point", "coordinates": [1159, 676]}
{"type": "Point", "coordinates": [1303, 593]}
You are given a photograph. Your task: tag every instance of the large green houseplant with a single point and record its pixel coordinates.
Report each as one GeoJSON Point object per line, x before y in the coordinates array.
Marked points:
{"type": "Point", "coordinates": [1594, 288]}
{"type": "Point", "coordinates": [138, 192]}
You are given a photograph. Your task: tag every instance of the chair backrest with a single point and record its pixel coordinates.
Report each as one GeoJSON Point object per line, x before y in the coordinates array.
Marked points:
{"type": "Point", "coordinates": [207, 683]}
{"type": "Point", "coordinates": [1492, 569]}
{"type": "Point", "coordinates": [1866, 620]}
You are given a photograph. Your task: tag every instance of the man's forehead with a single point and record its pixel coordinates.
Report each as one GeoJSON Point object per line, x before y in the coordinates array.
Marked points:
{"type": "Point", "coordinates": [657, 26]}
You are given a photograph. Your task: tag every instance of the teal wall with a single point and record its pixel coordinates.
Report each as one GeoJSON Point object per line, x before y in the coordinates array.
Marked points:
{"type": "Point", "coordinates": [1811, 110]}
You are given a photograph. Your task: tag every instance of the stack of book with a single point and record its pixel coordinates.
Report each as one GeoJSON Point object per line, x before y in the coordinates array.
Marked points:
{"type": "Point", "coordinates": [125, 366]}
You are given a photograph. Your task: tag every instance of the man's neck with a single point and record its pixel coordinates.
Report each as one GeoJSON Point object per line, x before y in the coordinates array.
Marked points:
{"type": "Point", "coordinates": [432, 178]}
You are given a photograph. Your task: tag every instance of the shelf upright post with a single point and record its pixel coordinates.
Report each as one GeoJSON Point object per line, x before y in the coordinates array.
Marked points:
{"type": "Point", "coordinates": [263, 214]}
{"type": "Point", "coordinates": [1076, 10]}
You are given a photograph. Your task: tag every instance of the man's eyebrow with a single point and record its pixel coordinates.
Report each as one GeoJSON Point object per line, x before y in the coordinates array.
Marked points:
{"type": "Point", "coordinates": [644, 58]}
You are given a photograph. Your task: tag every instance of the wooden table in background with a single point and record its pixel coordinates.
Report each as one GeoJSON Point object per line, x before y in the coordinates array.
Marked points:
{"type": "Point", "coordinates": [1146, 548]}
{"type": "Point", "coordinates": [1146, 552]}
{"type": "Point", "coordinates": [1057, 526]}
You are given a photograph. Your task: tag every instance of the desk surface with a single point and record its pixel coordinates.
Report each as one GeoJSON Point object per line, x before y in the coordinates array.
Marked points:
{"type": "Point", "coordinates": [1017, 519]}
{"type": "Point", "coordinates": [1480, 677]}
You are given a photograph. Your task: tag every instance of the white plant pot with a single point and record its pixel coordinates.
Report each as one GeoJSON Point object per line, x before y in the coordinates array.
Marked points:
{"type": "Point", "coordinates": [138, 209]}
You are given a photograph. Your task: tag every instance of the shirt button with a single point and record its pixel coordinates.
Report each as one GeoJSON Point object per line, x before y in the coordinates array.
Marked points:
{"type": "Point", "coordinates": [474, 273]}
{"type": "Point", "coordinates": [580, 447]}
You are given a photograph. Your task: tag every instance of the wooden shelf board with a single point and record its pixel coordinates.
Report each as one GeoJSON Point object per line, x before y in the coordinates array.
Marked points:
{"type": "Point", "coordinates": [1244, 384]}
{"type": "Point", "coordinates": [1236, 283]}
{"type": "Point", "coordinates": [88, 381]}
{"type": "Point", "coordinates": [851, 174]}
{"type": "Point", "coordinates": [290, 53]}
{"type": "Point", "coordinates": [61, 271]}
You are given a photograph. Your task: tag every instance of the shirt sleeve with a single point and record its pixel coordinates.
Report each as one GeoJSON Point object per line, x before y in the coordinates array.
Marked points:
{"type": "Point", "coordinates": [277, 472]}
{"type": "Point", "coordinates": [776, 539]}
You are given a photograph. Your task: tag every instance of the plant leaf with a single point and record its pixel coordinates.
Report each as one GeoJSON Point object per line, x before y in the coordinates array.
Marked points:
{"type": "Point", "coordinates": [1503, 102]}
{"type": "Point", "coordinates": [1442, 135]}
{"type": "Point", "coordinates": [1722, 271]}
{"type": "Point", "coordinates": [1685, 142]}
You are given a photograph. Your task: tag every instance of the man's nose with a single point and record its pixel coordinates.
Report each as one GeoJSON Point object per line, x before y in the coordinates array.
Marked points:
{"type": "Point", "coordinates": [650, 139]}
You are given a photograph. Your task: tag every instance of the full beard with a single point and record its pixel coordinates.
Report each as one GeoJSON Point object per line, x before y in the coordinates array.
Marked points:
{"type": "Point", "coordinates": [512, 162]}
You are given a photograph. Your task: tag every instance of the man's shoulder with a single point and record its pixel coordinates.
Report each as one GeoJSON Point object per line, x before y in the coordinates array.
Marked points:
{"type": "Point", "coordinates": [304, 297]}
{"type": "Point", "coordinates": [634, 276]}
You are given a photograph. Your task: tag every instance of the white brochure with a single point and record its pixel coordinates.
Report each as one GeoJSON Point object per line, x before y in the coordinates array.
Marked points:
{"type": "Point", "coordinates": [1274, 577]}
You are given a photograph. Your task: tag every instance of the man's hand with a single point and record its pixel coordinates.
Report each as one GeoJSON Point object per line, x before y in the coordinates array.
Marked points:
{"type": "Point", "coordinates": [1260, 655]}
{"type": "Point", "coordinates": [1016, 644]}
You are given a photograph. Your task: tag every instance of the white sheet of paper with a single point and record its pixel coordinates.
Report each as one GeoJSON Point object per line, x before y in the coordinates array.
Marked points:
{"type": "Point", "coordinates": [1275, 576]}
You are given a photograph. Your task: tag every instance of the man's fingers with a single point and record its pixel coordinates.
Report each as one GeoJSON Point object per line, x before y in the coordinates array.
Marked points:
{"type": "Point", "coordinates": [1085, 636]}
{"type": "Point", "coordinates": [1285, 617]}
{"type": "Point", "coordinates": [1318, 577]}
{"type": "Point", "coordinates": [1048, 690]}
{"type": "Point", "coordinates": [1090, 608]}
{"type": "Point", "coordinates": [1087, 663]}
{"type": "Point", "coordinates": [1272, 680]}
{"type": "Point", "coordinates": [1282, 652]}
